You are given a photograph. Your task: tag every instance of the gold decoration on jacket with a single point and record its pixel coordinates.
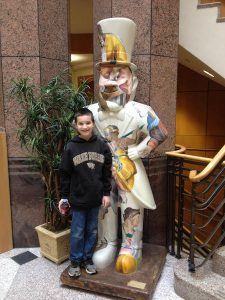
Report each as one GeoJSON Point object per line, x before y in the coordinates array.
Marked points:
{"type": "Point", "coordinates": [125, 170]}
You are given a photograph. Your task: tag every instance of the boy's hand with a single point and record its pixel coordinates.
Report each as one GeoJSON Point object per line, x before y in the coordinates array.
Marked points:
{"type": "Point", "coordinates": [105, 201]}
{"type": "Point", "coordinates": [63, 202]}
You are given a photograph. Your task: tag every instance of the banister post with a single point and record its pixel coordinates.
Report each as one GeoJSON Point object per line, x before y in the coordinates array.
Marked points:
{"type": "Point", "coordinates": [192, 237]}
{"type": "Point", "coordinates": [171, 188]}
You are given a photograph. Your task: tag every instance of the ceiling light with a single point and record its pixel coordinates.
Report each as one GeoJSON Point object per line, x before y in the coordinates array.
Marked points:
{"type": "Point", "coordinates": [208, 73]}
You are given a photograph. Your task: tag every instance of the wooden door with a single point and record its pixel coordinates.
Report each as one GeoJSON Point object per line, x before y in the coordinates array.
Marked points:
{"type": "Point", "coordinates": [5, 210]}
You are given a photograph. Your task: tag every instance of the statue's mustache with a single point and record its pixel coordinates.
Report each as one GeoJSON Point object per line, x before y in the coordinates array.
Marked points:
{"type": "Point", "coordinates": [109, 92]}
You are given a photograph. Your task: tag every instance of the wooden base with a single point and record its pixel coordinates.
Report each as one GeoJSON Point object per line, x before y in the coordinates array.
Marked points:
{"type": "Point", "coordinates": [138, 285]}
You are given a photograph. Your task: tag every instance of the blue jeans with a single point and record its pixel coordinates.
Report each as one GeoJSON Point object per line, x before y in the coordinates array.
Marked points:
{"type": "Point", "coordinates": [83, 233]}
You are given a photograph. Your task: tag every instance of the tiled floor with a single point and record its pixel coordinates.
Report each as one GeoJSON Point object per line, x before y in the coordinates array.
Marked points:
{"type": "Point", "coordinates": [25, 275]}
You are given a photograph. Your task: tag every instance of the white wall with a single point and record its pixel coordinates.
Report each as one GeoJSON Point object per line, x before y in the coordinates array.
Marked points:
{"type": "Point", "coordinates": [201, 35]}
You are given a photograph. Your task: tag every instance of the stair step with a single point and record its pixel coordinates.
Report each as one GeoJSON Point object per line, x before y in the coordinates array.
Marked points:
{"type": "Point", "coordinates": [218, 263]}
{"type": "Point", "coordinates": [221, 9]}
{"type": "Point", "coordinates": [204, 284]}
{"type": "Point", "coordinates": [208, 5]}
{"type": "Point", "coordinates": [220, 19]}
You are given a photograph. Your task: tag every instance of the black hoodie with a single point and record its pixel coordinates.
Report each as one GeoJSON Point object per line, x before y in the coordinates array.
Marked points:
{"type": "Point", "coordinates": [85, 172]}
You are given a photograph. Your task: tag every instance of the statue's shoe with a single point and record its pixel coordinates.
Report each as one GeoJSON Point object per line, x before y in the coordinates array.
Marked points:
{"type": "Point", "coordinates": [102, 258]}
{"type": "Point", "coordinates": [128, 259]}
{"type": "Point", "coordinates": [126, 264]}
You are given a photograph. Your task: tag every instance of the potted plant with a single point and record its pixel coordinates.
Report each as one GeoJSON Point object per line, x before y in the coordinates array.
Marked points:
{"type": "Point", "coordinates": [44, 129]}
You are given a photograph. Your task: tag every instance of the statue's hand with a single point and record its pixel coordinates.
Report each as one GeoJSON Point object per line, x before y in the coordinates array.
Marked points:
{"type": "Point", "coordinates": [133, 152]}
{"type": "Point", "coordinates": [139, 151]}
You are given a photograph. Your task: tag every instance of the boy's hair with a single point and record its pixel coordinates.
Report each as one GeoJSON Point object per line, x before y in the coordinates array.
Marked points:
{"type": "Point", "coordinates": [83, 112]}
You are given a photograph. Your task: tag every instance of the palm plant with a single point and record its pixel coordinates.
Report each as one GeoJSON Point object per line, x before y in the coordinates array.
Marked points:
{"type": "Point", "coordinates": [44, 129]}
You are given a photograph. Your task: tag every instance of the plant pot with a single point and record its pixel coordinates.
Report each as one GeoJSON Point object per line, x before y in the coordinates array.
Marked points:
{"type": "Point", "coordinates": [54, 245]}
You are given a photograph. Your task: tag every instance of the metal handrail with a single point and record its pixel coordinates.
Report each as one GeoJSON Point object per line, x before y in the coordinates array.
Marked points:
{"type": "Point", "coordinates": [218, 158]}
{"type": "Point", "coordinates": [178, 154]}
{"type": "Point", "coordinates": [206, 187]}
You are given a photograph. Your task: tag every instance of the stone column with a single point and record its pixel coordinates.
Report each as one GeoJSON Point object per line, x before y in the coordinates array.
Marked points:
{"type": "Point", "coordinates": [34, 43]}
{"type": "Point", "coordinates": [155, 55]}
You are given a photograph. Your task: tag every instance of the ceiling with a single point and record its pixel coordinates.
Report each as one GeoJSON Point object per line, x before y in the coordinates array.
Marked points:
{"type": "Point", "coordinates": [190, 61]}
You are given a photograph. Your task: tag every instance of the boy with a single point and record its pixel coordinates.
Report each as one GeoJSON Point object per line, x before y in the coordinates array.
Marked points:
{"type": "Point", "coordinates": [85, 173]}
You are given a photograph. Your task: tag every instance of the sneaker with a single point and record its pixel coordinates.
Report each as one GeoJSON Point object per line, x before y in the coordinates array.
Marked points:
{"type": "Point", "coordinates": [90, 267]}
{"type": "Point", "coordinates": [74, 269]}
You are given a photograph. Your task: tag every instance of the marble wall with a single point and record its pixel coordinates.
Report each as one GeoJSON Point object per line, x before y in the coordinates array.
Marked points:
{"type": "Point", "coordinates": [34, 43]}
{"type": "Point", "coordinates": [155, 228]}
{"type": "Point", "coordinates": [155, 54]}
{"type": "Point", "coordinates": [27, 202]}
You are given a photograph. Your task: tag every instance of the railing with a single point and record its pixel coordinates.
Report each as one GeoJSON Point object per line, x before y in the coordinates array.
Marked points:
{"type": "Point", "coordinates": [196, 204]}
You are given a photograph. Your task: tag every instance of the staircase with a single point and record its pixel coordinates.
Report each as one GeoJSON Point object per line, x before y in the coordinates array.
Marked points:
{"type": "Point", "coordinates": [196, 208]}
{"type": "Point", "coordinates": [202, 32]}
{"type": "Point", "coordinates": [206, 283]}
{"type": "Point", "coordinates": [214, 3]}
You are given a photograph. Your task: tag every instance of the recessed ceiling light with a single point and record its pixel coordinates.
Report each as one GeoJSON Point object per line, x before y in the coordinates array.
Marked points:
{"type": "Point", "coordinates": [206, 72]}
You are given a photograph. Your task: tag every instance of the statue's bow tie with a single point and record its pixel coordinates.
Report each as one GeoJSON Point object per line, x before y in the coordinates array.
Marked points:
{"type": "Point", "coordinates": [119, 115]}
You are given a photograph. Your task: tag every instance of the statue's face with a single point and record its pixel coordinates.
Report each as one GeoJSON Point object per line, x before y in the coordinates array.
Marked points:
{"type": "Point", "coordinates": [115, 84]}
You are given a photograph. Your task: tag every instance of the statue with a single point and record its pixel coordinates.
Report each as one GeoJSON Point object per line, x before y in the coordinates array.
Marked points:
{"type": "Point", "coordinates": [133, 131]}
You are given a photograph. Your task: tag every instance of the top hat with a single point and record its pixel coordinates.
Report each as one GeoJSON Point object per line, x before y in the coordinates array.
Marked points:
{"type": "Point", "coordinates": [117, 36]}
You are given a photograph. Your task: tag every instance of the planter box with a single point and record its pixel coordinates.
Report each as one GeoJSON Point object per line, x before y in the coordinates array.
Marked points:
{"type": "Point", "coordinates": [54, 245]}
